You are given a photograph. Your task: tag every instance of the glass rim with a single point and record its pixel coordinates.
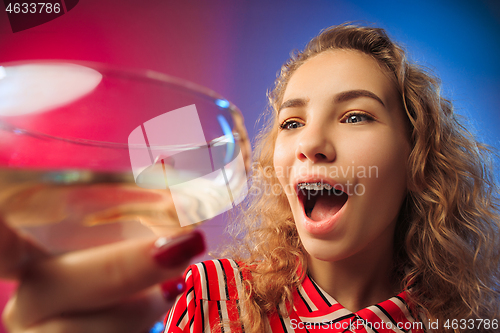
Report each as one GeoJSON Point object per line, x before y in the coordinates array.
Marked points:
{"type": "Point", "coordinates": [145, 75]}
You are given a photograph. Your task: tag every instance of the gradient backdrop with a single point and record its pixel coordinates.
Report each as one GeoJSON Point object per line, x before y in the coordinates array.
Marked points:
{"type": "Point", "coordinates": [236, 47]}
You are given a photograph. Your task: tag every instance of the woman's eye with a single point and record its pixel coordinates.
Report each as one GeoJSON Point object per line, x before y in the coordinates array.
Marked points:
{"type": "Point", "coordinates": [353, 118]}
{"type": "Point", "coordinates": [290, 124]}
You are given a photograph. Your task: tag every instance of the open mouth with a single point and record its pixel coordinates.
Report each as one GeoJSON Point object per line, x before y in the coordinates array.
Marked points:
{"type": "Point", "coordinates": [320, 201]}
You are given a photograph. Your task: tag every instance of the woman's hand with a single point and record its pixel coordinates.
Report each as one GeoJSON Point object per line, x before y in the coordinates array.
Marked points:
{"type": "Point", "coordinates": [113, 288]}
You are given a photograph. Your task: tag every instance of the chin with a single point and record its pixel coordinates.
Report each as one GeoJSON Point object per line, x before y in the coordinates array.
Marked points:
{"type": "Point", "coordinates": [324, 249]}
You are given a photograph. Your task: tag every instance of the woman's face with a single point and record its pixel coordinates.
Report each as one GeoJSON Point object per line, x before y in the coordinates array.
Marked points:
{"type": "Point", "coordinates": [341, 154]}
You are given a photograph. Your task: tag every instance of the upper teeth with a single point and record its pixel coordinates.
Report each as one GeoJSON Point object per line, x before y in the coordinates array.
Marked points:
{"type": "Point", "coordinates": [314, 186]}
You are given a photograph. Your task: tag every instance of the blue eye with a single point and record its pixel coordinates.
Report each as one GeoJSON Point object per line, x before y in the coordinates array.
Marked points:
{"type": "Point", "coordinates": [357, 117]}
{"type": "Point", "coordinates": [290, 124]}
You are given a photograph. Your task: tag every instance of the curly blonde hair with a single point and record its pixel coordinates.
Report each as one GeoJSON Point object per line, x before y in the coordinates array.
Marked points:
{"type": "Point", "coordinates": [447, 236]}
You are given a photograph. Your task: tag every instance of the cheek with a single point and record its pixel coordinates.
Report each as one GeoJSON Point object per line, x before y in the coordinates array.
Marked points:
{"type": "Point", "coordinates": [388, 161]}
{"type": "Point", "coordinates": [380, 160]}
{"type": "Point", "coordinates": [281, 162]}
{"type": "Point", "coordinates": [384, 151]}
{"type": "Point", "coordinates": [385, 183]}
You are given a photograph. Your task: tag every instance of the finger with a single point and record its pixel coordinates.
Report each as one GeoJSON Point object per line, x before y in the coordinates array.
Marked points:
{"type": "Point", "coordinates": [100, 277]}
{"type": "Point", "coordinates": [16, 252]}
{"type": "Point", "coordinates": [136, 315]}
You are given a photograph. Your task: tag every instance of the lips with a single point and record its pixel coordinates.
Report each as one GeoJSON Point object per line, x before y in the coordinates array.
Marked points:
{"type": "Point", "coordinates": [321, 203]}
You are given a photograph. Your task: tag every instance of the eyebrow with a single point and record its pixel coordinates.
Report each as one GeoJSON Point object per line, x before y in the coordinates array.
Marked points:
{"type": "Point", "coordinates": [339, 98]}
{"type": "Point", "coordinates": [293, 103]}
{"type": "Point", "coordinates": [352, 94]}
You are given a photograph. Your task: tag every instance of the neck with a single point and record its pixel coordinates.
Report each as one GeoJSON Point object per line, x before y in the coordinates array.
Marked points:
{"type": "Point", "coordinates": [358, 281]}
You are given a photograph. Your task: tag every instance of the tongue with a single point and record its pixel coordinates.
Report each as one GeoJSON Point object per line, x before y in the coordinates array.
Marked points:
{"type": "Point", "coordinates": [326, 206]}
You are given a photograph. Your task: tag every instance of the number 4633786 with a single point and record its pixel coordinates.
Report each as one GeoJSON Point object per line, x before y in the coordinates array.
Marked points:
{"type": "Point", "coordinates": [471, 324]}
{"type": "Point", "coordinates": [33, 8]}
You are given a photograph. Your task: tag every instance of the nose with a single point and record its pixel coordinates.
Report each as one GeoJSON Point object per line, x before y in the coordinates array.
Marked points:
{"type": "Point", "coordinates": [316, 145]}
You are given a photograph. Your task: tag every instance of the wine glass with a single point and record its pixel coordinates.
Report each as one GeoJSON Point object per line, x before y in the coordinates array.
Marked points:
{"type": "Point", "coordinates": [92, 154]}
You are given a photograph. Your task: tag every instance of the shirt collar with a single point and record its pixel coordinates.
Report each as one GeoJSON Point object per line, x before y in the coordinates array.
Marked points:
{"type": "Point", "coordinates": [313, 305]}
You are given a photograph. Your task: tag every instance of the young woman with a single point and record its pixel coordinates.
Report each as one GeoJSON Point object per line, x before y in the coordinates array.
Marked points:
{"type": "Point", "coordinates": [372, 209]}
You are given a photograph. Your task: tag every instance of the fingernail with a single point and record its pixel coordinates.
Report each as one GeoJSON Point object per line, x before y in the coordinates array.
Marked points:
{"type": "Point", "coordinates": [171, 252]}
{"type": "Point", "coordinates": [173, 288]}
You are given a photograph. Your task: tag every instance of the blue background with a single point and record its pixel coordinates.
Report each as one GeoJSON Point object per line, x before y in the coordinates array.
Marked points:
{"type": "Point", "coordinates": [458, 40]}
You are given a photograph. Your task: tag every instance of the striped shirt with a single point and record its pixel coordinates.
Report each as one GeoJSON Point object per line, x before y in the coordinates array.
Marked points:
{"type": "Point", "coordinates": [213, 290]}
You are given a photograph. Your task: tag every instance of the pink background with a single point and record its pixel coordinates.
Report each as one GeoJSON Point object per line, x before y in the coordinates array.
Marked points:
{"type": "Point", "coordinates": [188, 39]}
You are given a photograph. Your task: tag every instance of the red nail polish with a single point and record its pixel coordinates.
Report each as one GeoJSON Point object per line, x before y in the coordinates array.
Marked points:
{"type": "Point", "coordinates": [175, 251]}
{"type": "Point", "coordinates": [171, 289]}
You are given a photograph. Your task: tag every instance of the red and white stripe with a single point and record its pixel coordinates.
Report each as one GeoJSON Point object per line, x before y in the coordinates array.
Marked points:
{"type": "Point", "coordinates": [213, 290]}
